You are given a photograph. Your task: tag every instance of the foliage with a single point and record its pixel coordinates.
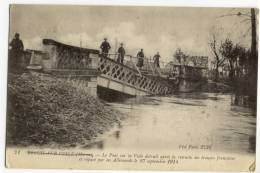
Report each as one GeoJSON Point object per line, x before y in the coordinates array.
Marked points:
{"type": "Point", "coordinates": [237, 57]}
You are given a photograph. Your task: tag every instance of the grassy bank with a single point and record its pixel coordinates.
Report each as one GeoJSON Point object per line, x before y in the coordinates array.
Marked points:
{"type": "Point", "coordinates": [43, 110]}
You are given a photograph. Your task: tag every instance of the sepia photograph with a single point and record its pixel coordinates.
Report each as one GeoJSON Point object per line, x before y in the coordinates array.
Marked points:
{"type": "Point", "coordinates": [132, 87]}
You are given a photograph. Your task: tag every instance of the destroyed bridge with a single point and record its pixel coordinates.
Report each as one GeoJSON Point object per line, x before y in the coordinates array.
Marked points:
{"type": "Point", "coordinates": [89, 70]}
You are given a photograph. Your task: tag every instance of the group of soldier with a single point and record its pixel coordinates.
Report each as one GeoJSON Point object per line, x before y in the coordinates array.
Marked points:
{"type": "Point", "coordinates": [17, 48]}
{"type": "Point", "coordinates": [105, 47]}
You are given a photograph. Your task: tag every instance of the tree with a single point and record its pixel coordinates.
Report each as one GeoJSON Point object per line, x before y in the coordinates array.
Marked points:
{"type": "Point", "coordinates": [241, 60]}
{"type": "Point", "coordinates": [237, 57]}
{"type": "Point", "coordinates": [215, 50]}
{"type": "Point", "coordinates": [226, 50]}
{"type": "Point", "coordinates": [244, 59]}
{"type": "Point", "coordinates": [253, 57]}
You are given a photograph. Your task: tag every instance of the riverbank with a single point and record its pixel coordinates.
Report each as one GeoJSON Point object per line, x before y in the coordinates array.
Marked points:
{"type": "Point", "coordinates": [44, 110]}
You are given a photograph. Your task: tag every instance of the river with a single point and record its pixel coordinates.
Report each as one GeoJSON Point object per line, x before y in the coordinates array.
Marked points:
{"type": "Point", "coordinates": [222, 121]}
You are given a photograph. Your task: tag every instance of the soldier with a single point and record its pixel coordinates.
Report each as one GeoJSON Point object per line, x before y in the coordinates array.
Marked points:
{"type": "Point", "coordinates": [16, 44]}
{"type": "Point", "coordinates": [121, 54]}
{"type": "Point", "coordinates": [16, 52]}
{"type": "Point", "coordinates": [156, 60]}
{"type": "Point", "coordinates": [140, 57]}
{"type": "Point", "coordinates": [105, 46]}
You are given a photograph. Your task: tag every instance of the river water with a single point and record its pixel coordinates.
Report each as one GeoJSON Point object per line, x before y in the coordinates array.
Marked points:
{"type": "Point", "coordinates": [222, 121]}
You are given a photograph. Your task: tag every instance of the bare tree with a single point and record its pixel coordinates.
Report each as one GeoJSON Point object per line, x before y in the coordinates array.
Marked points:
{"type": "Point", "coordinates": [226, 50]}
{"type": "Point", "coordinates": [215, 50]}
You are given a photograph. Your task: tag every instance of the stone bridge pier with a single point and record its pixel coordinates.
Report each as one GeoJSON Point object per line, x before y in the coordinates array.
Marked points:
{"type": "Point", "coordinates": [79, 66]}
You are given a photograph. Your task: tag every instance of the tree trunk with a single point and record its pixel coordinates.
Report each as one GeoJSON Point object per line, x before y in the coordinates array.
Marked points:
{"type": "Point", "coordinates": [216, 73]}
{"type": "Point", "coordinates": [231, 72]}
{"type": "Point", "coordinates": [253, 58]}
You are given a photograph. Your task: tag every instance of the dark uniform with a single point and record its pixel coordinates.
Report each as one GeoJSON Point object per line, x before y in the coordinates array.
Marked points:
{"type": "Point", "coordinates": [17, 45]}
{"type": "Point", "coordinates": [156, 60]}
{"type": "Point", "coordinates": [105, 46]}
{"type": "Point", "coordinates": [121, 55]}
{"type": "Point", "coordinates": [16, 53]}
{"type": "Point", "coordinates": [140, 56]}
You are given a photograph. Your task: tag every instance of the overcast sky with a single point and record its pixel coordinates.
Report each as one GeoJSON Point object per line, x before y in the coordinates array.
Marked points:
{"type": "Point", "coordinates": [162, 29]}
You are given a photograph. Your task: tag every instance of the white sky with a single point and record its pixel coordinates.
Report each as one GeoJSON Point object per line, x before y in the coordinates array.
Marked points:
{"type": "Point", "coordinates": [162, 29]}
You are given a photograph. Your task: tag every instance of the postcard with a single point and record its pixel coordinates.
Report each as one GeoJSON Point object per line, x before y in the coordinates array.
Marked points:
{"type": "Point", "coordinates": [132, 87]}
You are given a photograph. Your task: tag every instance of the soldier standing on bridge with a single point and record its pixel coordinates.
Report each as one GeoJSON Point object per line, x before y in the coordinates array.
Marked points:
{"type": "Point", "coordinates": [16, 52]}
{"type": "Point", "coordinates": [105, 47]}
{"type": "Point", "coordinates": [121, 54]}
{"type": "Point", "coordinates": [156, 59]}
{"type": "Point", "coordinates": [140, 57]}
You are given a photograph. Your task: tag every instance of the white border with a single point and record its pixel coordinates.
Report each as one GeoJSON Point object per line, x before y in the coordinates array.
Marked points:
{"type": "Point", "coordinates": [4, 14]}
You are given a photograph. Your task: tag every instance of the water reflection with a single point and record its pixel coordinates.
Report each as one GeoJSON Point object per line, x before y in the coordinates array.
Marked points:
{"type": "Point", "coordinates": [240, 100]}
{"type": "Point", "coordinates": [224, 121]}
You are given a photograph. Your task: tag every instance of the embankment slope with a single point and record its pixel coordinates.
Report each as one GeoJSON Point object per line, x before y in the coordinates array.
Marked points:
{"type": "Point", "coordinates": [44, 110]}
